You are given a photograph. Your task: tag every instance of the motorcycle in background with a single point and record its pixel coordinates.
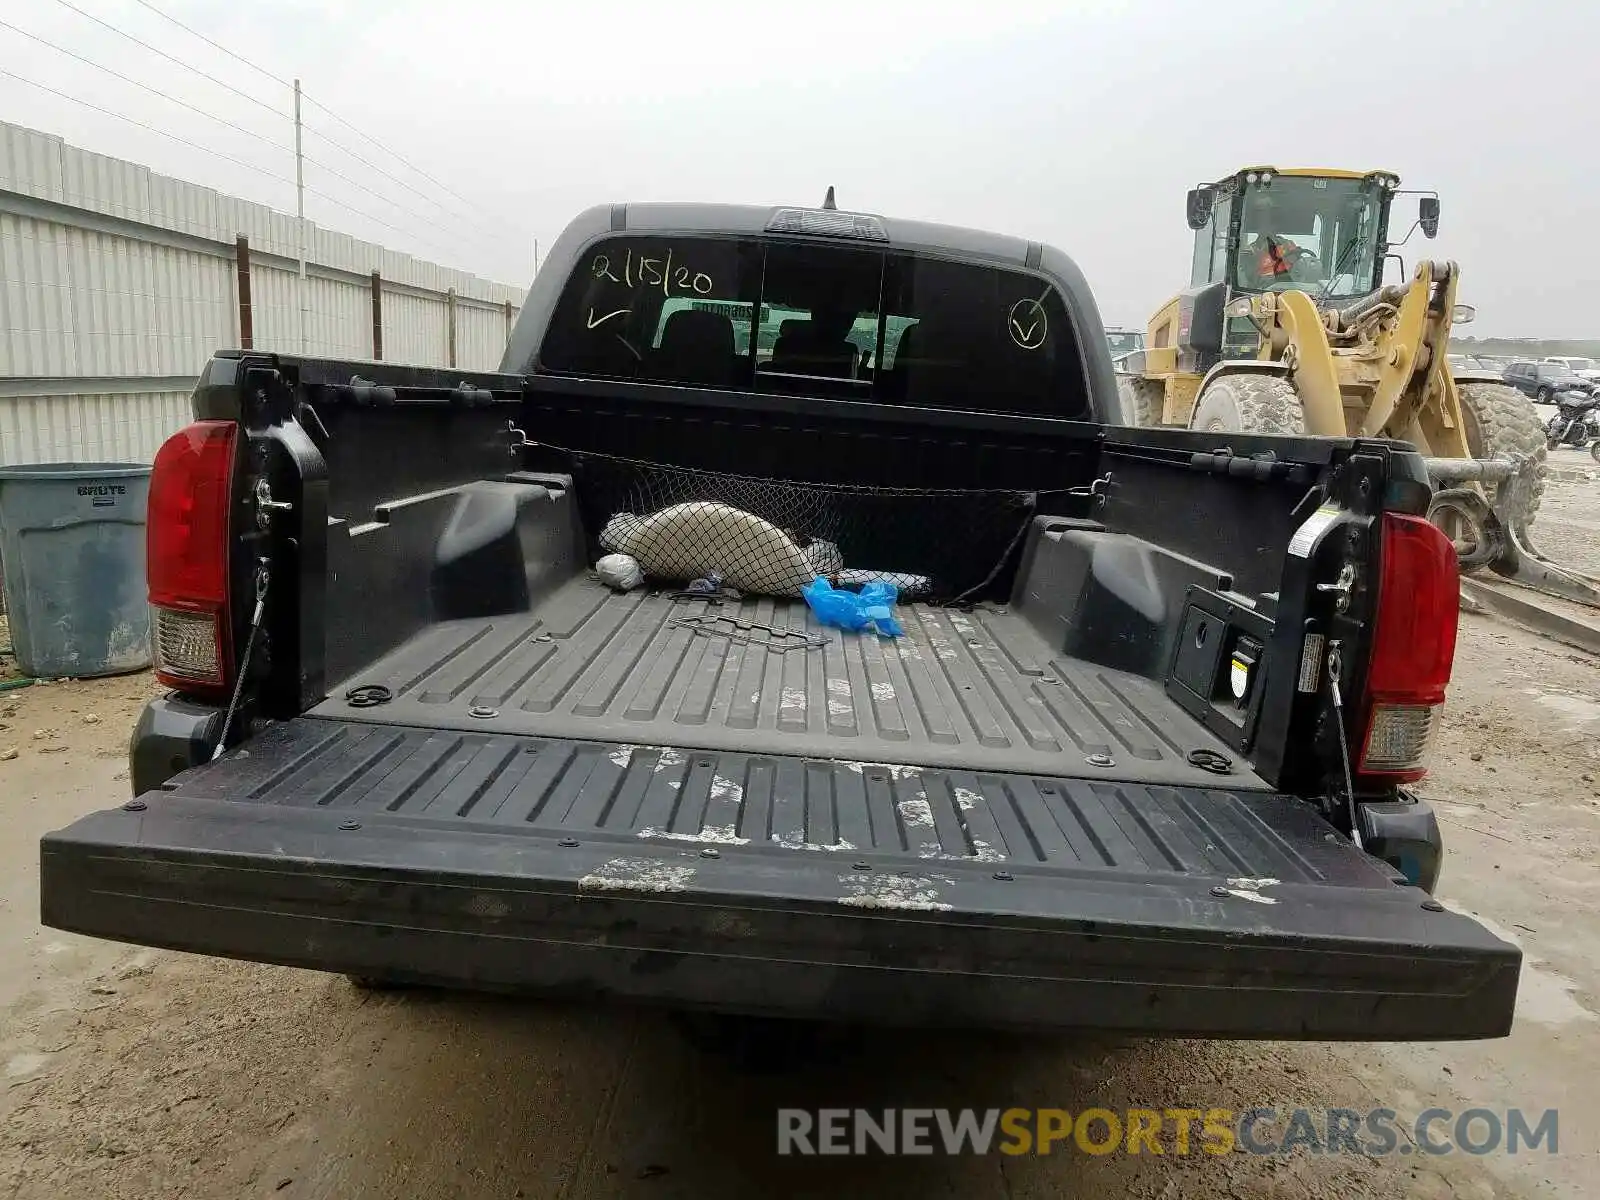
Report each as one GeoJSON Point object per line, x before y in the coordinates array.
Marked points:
{"type": "Point", "coordinates": [1575, 422]}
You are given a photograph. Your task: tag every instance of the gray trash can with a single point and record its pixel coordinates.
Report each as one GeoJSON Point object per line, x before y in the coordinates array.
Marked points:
{"type": "Point", "coordinates": [72, 558]}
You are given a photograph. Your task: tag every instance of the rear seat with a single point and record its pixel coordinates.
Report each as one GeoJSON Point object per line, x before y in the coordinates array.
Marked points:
{"type": "Point", "coordinates": [800, 351]}
{"type": "Point", "coordinates": [892, 380]}
{"type": "Point", "coordinates": [696, 347]}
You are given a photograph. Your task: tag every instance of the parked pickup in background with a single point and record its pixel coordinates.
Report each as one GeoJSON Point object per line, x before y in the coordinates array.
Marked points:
{"type": "Point", "coordinates": [1140, 759]}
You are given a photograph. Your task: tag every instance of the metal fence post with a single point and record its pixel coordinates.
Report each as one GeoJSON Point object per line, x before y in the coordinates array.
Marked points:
{"type": "Point", "coordinates": [241, 267]}
{"type": "Point", "coordinates": [450, 302]}
{"type": "Point", "coordinates": [377, 316]}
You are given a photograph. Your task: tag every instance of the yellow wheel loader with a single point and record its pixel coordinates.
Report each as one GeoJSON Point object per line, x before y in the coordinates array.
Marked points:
{"type": "Point", "coordinates": [1287, 327]}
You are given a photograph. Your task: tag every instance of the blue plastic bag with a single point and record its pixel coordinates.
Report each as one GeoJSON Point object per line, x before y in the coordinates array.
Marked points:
{"type": "Point", "coordinates": [870, 608]}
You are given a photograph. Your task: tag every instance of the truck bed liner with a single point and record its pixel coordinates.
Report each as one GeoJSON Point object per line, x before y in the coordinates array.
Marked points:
{"type": "Point", "coordinates": [665, 794]}
{"type": "Point", "coordinates": [978, 689]}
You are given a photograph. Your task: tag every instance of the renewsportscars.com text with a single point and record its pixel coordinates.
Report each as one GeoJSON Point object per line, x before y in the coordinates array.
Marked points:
{"type": "Point", "coordinates": [1375, 1132]}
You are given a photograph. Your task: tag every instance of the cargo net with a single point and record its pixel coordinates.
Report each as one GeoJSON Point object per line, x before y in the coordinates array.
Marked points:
{"type": "Point", "coordinates": [774, 537]}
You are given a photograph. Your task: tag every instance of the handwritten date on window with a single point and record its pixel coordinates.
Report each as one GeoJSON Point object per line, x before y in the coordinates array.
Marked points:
{"type": "Point", "coordinates": [644, 271]}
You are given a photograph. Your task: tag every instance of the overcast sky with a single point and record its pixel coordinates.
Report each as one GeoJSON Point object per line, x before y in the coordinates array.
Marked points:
{"type": "Point", "coordinates": [1083, 130]}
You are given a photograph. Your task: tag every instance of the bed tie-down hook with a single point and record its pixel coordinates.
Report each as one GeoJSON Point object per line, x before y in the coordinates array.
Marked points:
{"type": "Point", "coordinates": [1096, 491]}
{"type": "Point", "coordinates": [519, 440]}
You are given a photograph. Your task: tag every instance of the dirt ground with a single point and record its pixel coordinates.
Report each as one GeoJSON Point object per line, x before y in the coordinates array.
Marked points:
{"type": "Point", "coordinates": [134, 1074]}
{"type": "Point", "coordinates": [1566, 528]}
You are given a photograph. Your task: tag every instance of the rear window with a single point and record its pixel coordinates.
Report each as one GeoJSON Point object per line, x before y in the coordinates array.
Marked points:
{"type": "Point", "coordinates": [817, 319]}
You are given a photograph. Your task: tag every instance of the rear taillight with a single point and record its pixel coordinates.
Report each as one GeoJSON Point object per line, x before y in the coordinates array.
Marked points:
{"type": "Point", "coordinates": [186, 564]}
{"type": "Point", "coordinates": [1414, 645]}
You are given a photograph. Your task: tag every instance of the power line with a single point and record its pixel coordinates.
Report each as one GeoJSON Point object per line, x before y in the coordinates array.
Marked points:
{"type": "Point", "coordinates": [256, 100]}
{"type": "Point", "coordinates": [263, 104]}
{"type": "Point", "coordinates": [238, 162]}
{"type": "Point", "coordinates": [395, 154]}
{"type": "Point", "coordinates": [254, 66]}
{"type": "Point", "coordinates": [228, 158]}
{"type": "Point", "coordinates": [442, 251]}
{"type": "Point", "coordinates": [441, 205]}
{"type": "Point", "coordinates": [154, 91]}
{"type": "Point", "coordinates": [257, 67]}
{"type": "Point", "coordinates": [136, 83]}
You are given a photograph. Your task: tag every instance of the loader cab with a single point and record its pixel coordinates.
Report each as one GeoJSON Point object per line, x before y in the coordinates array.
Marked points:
{"type": "Point", "coordinates": [1263, 230]}
{"type": "Point", "coordinates": [1266, 230]}
{"type": "Point", "coordinates": [1124, 341]}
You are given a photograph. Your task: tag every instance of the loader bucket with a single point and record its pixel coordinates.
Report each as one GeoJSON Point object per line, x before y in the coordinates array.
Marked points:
{"type": "Point", "coordinates": [1483, 539]}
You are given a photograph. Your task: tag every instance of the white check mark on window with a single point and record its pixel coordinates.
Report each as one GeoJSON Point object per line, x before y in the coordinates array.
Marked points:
{"type": "Point", "coordinates": [595, 322]}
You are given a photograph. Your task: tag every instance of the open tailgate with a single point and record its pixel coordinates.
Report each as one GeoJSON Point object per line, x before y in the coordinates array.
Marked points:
{"type": "Point", "coordinates": [762, 883]}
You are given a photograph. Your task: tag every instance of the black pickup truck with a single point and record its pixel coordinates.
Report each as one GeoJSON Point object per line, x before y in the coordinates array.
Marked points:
{"type": "Point", "coordinates": [1137, 759]}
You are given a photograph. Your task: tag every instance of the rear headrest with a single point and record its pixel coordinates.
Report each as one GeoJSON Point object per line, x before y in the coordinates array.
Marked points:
{"type": "Point", "coordinates": [691, 328]}
{"type": "Point", "coordinates": [906, 347]}
{"type": "Point", "coordinates": [696, 347]}
{"type": "Point", "coordinates": [801, 348]}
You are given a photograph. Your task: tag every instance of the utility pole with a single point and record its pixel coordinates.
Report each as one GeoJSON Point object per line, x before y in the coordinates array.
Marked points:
{"type": "Point", "coordinates": [300, 211]}
{"type": "Point", "coordinates": [535, 256]}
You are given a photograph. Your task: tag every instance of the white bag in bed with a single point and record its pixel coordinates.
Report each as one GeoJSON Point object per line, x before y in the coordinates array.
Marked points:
{"type": "Point", "coordinates": [688, 541]}
{"type": "Point", "coordinates": [620, 572]}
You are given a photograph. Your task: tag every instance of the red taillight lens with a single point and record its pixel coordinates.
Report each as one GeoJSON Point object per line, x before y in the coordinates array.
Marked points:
{"type": "Point", "coordinates": [186, 547]}
{"type": "Point", "coordinates": [1414, 646]}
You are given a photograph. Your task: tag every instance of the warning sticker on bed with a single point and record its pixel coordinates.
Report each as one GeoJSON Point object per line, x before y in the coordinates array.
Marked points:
{"type": "Point", "coordinates": [1306, 536]}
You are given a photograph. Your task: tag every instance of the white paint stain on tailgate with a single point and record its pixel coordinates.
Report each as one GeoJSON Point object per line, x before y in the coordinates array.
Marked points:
{"type": "Point", "coordinates": [1251, 889]}
{"type": "Point", "coordinates": [724, 835]}
{"type": "Point", "coordinates": [906, 892]}
{"type": "Point", "coordinates": [796, 840]}
{"type": "Point", "coordinates": [637, 875]}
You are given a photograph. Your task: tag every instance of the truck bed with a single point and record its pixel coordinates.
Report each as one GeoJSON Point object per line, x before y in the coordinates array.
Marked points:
{"type": "Point", "coordinates": [979, 691]}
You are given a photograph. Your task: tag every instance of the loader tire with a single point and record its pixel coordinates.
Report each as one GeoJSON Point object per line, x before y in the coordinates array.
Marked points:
{"type": "Point", "coordinates": [1249, 404]}
{"type": "Point", "coordinates": [1143, 400]}
{"type": "Point", "coordinates": [1502, 423]}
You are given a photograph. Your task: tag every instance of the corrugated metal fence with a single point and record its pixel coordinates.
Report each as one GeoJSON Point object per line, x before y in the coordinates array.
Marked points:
{"type": "Point", "coordinates": [116, 285]}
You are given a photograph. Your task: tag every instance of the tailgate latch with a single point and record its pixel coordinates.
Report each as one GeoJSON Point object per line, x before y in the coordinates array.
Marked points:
{"type": "Point", "coordinates": [266, 505]}
{"type": "Point", "coordinates": [1341, 587]}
